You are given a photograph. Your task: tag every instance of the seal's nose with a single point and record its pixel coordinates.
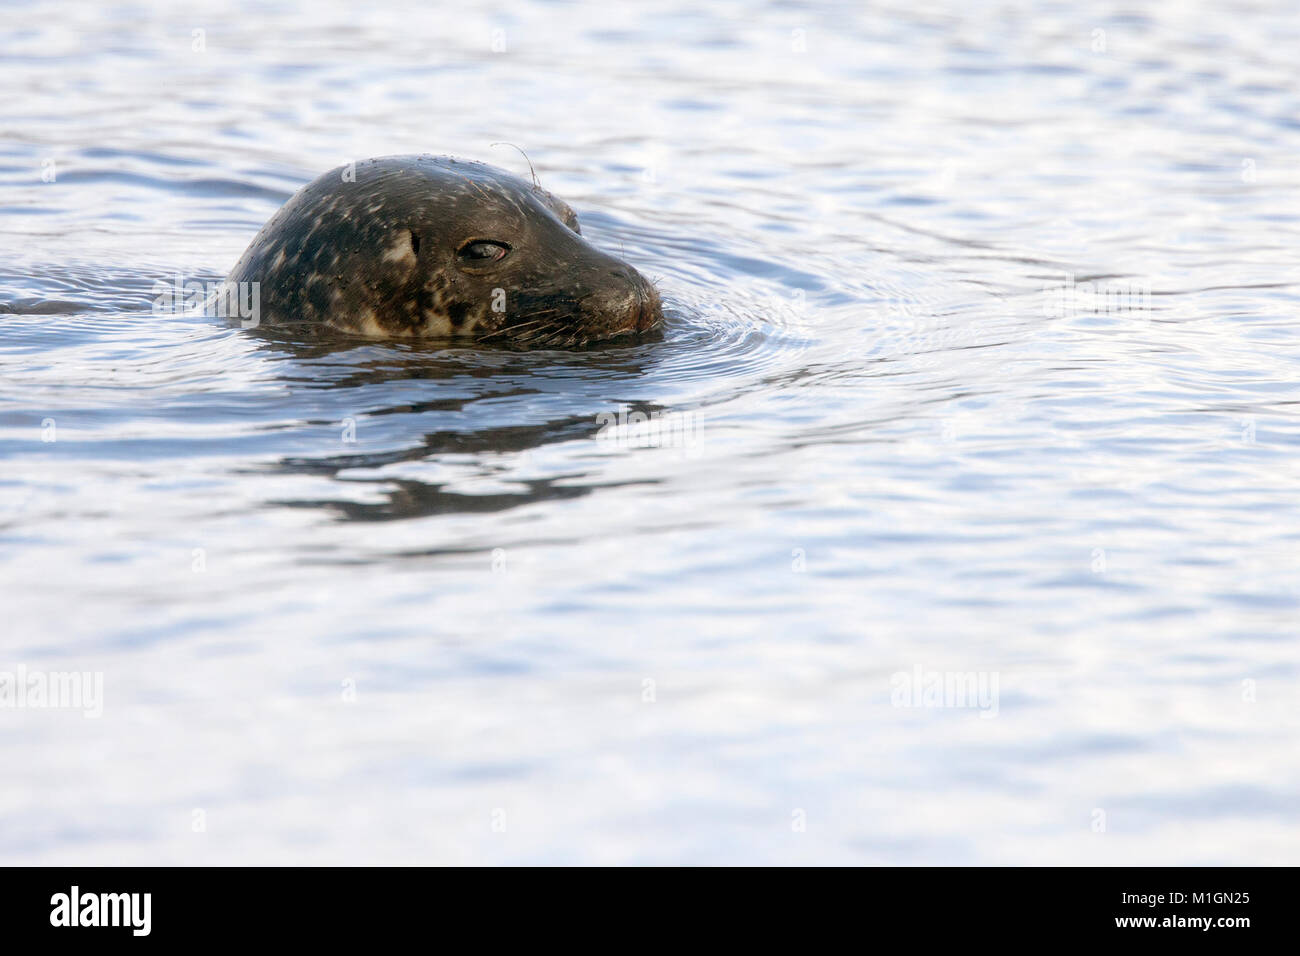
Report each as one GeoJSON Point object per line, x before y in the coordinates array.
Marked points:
{"type": "Point", "coordinates": [651, 315]}
{"type": "Point", "coordinates": [636, 303]}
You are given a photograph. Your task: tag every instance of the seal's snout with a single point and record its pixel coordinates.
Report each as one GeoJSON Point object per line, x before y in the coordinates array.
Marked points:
{"type": "Point", "coordinates": [651, 314]}
{"type": "Point", "coordinates": [631, 303]}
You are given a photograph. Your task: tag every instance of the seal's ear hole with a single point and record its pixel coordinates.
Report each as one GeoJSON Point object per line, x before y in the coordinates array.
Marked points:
{"type": "Point", "coordinates": [415, 242]}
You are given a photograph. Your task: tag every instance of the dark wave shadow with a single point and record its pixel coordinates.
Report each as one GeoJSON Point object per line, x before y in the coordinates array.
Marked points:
{"type": "Point", "coordinates": [408, 498]}
{"type": "Point", "coordinates": [487, 401]}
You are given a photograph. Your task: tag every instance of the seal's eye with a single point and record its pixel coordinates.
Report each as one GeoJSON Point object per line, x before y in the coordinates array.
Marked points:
{"type": "Point", "coordinates": [483, 251]}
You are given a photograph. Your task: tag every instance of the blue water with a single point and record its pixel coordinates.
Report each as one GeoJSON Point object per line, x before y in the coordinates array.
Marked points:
{"type": "Point", "coordinates": [980, 362]}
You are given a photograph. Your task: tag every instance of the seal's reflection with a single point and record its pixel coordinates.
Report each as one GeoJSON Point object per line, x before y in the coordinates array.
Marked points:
{"type": "Point", "coordinates": [488, 402]}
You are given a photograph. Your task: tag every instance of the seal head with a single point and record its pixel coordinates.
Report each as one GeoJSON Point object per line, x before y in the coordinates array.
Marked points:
{"type": "Point", "coordinates": [434, 247]}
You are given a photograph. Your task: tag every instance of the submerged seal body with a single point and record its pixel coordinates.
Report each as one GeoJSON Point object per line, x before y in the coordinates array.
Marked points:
{"type": "Point", "coordinates": [429, 247]}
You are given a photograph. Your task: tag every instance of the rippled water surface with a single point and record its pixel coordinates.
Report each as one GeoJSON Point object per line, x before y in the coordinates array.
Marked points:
{"type": "Point", "coordinates": [666, 603]}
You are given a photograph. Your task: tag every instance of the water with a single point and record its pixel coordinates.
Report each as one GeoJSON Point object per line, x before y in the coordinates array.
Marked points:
{"type": "Point", "coordinates": [391, 604]}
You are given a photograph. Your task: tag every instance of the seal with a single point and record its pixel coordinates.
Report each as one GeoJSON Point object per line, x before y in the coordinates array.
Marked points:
{"type": "Point", "coordinates": [427, 247]}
